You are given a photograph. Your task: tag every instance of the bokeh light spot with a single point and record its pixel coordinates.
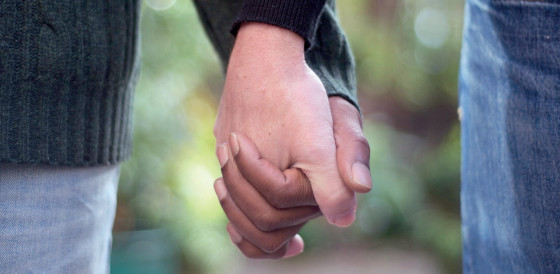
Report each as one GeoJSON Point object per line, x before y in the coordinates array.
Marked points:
{"type": "Point", "coordinates": [431, 27]}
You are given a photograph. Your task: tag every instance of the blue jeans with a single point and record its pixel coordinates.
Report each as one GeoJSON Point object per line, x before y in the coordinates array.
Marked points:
{"type": "Point", "coordinates": [56, 219]}
{"type": "Point", "coordinates": [510, 101]}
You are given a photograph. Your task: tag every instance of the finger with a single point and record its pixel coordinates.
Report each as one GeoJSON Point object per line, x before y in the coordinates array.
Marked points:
{"type": "Point", "coordinates": [288, 189]}
{"type": "Point", "coordinates": [268, 242]}
{"type": "Point", "coordinates": [352, 148]}
{"type": "Point", "coordinates": [250, 250]}
{"type": "Point", "coordinates": [292, 248]}
{"type": "Point", "coordinates": [336, 201]}
{"type": "Point", "coordinates": [259, 211]}
{"type": "Point", "coordinates": [295, 247]}
{"type": "Point", "coordinates": [222, 154]}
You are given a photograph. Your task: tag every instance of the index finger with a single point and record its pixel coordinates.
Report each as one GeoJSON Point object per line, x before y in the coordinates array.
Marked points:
{"type": "Point", "coordinates": [290, 188]}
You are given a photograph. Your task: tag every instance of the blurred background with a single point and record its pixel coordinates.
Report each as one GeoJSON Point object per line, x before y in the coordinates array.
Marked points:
{"type": "Point", "coordinates": [407, 53]}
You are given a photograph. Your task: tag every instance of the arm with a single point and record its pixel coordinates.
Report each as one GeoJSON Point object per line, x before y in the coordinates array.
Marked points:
{"type": "Point", "coordinates": [329, 54]}
{"type": "Point", "coordinates": [274, 98]}
{"type": "Point", "coordinates": [333, 64]}
{"type": "Point", "coordinates": [329, 57]}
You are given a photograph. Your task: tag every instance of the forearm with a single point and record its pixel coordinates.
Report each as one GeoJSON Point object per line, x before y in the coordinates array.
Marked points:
{"type": "Point", "coordinates": [273, 42]}
{"type": "Point", "coordinates": [329, 54]}
{"type": "Point", "coordinates": [297, 16]}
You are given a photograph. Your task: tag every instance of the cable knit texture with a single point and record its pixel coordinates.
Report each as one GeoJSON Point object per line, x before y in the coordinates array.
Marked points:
{"type": "Point", "coordinates": [299, 16]}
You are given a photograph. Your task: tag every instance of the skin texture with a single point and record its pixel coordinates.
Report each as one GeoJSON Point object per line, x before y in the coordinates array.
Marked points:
{"type": "Point", "coordinates": [268, 226]}
{"type": "Point", "coordinates": [296, 153]}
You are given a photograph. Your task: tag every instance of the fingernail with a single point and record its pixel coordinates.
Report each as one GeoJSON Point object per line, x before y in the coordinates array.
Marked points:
{"type": "Point", "coordinates": [233, 234]}
{"type": "Point", "coordinates": [234, 144]}
{"type": "Point", "coordinates": [344, 220]}
{"type": "Point", "coordinates": [361, 175]}
{"type": "Point", "coordinates": [220, 189]}
{"type": "Point", "coordinates": [295, 247]}
{"type": "Point", "coordinates": [223, 154]}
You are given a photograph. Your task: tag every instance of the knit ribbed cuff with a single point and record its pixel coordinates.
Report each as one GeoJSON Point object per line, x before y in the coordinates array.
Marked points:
{"type": "Point", "coordinates": [299, 16]}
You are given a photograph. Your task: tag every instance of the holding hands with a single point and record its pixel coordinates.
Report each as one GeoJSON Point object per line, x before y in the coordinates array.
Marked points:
{"type": "Point", "coordinates": [288, 152]}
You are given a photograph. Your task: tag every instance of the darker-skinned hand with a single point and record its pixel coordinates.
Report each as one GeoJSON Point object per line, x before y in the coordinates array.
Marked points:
{"type": "Point", "coordinates": [270, 206]}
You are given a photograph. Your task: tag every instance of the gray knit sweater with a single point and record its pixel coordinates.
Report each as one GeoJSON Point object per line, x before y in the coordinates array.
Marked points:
{"type": "Point", "coordinates": [68, 70]}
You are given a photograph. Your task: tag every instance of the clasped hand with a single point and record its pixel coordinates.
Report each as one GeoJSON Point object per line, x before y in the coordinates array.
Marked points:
{"type": "Point", "coordinates": [288, 153]}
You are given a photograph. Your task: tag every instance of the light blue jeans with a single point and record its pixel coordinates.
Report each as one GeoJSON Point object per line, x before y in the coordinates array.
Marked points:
{"type": "Point", "coordinates": [56, 219]}
{"type": "Point", "coordinates": [510, 101]}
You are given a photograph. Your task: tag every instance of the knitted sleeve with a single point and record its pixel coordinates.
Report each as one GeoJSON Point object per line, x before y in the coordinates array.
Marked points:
{"type": "Point", "coordinates": [328, 53]}
{"type": "Point", "coordinates": [299, 16]}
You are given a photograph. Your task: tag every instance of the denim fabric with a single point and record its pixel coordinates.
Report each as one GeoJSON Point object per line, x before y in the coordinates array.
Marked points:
{"type": "Point", "coordinates": [510, 101]}
{"type": "Point", "coordinates": [56, 219]}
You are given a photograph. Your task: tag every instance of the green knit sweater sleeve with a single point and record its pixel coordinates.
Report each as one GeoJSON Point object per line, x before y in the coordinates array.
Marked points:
{"type": "Point", "coordinates": [328, 54]}
{"type": "Point", "coordinates": [67, 75]}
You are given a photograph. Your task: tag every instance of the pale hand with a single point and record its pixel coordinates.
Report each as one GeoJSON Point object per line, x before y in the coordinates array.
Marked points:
{"type": "Point", "coordinates": [276, 100]}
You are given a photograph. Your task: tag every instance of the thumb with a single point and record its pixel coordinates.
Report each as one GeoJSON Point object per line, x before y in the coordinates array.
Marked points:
{"type": "Point", "coordinates": [352, 153]}
{"type": "Point", "coordinates": [336, 201]}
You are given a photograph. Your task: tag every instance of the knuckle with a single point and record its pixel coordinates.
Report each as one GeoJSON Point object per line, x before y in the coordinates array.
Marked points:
{"type": "Point", "coordinates": [363, 143]}
{"type": "Point", "coordinates": [265, 221]}
{"type": "Point", "coordinates": [277, 198]}
{"type": "Point", "coordinates": [223, 203]}
{"type": "Point", "coordinates": [295, 191]}
{"type": "Point", "coordinates": [338, 202]}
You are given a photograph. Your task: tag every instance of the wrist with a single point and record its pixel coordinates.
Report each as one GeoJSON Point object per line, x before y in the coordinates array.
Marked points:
{"type": "Point", "coordinates": [270, 42]}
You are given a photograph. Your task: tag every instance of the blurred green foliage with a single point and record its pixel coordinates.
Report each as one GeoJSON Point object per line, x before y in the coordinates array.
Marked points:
{"type": "Point", "coordinates": [407, 54]}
